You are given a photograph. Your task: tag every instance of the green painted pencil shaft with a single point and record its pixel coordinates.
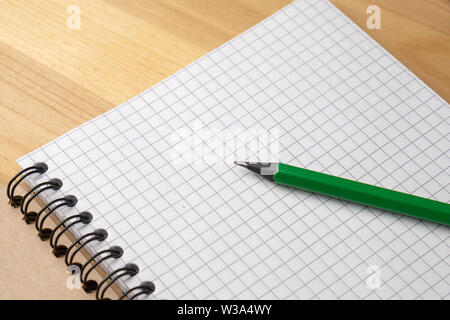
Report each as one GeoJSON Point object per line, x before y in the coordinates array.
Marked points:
{"type": "Point", "coordinates": [362, 193]}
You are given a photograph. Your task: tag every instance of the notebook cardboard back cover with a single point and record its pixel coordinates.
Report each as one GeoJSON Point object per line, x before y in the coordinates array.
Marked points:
{"type": "Point", "coordinates": [28, 269]}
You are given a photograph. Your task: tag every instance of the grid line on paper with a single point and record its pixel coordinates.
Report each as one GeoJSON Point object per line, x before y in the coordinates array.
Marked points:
{"type": "Point", "coordinates": [208, 232]}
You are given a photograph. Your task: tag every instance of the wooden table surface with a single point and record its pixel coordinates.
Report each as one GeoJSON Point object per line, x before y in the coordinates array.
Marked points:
{"type": "Point", "coordinates": [52, 78]}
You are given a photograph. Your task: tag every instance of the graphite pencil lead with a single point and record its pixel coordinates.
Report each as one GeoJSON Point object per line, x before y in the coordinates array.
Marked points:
{"type": "Point", "coordinates": [241, 163]}
{"type": "Point", "coordinates": [265, 169]}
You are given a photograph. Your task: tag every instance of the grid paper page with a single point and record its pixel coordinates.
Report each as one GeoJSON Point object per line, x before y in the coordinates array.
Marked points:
{"type": "Point", "coordinates": [342, 105]}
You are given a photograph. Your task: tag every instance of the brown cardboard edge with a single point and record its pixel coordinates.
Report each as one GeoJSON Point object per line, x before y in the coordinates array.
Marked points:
{"type": "Point", "coordinates": [68, 237]}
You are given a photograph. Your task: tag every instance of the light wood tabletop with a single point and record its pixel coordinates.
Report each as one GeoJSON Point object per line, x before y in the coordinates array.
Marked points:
{"type": "Point", "coordinates": [53, 78]}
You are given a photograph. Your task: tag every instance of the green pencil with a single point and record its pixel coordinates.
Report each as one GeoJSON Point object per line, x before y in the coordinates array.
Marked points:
{"type": "Point", "coordinates": [352, 191]}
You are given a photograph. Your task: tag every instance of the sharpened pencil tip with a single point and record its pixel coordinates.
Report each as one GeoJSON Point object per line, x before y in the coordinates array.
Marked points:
{"type": "Point", "coordinates": [265, 169]}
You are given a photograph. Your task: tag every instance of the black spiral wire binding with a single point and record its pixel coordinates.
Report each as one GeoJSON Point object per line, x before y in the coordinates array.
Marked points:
{"type": "Point", "coordinates": [97, 235]}
{"type": "Point", "coordinates": [60, 250]}
{"type": "Point", "coordinates": [69, 253]}
{"type": "Point", "coordinates": [130, 269]}
{"type": "Point", "coordinates": [14, 200]}
{"type": "Point", "coordinates": [92, 285]}
{"type": "Point", "coordinates": [146, 288]}
{"type": "Point", "coordinates": [53, 184]}
{"type": "Point", "coordinates": [45, 233]}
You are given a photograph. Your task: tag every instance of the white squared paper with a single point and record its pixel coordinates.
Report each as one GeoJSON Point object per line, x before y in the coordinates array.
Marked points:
{"type": "Point", "coordinates": [341, 104]}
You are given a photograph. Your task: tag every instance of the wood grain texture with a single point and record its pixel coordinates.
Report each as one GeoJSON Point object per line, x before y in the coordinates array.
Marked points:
{"type": "Point", "coordinates": [53, 79]}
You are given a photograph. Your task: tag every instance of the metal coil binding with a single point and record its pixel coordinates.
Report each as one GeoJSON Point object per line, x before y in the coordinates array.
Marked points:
{"type": "Point", "coordinates": [69, 253]}
{"type": "Point", "coordinates": [44, 233]}
{"type": "Point", "coordinates": [92, 285]}
{"type": "Point", "coordinates": [97, 235]}
{"type": "Point", "coordinates": [15, 200]}
{"type": "Point", "coordinates": [145, 288]}
{"type": "Point", "coordinates": [60, 250]}
{"type": "Point", "coordinates": [52, 184]}
{"type": "Point", "coordinates": [130, 269]}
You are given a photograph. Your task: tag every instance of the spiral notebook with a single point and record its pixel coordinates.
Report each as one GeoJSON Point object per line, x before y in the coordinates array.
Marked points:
{"type": "Point", "coordinates": [335, 101]}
